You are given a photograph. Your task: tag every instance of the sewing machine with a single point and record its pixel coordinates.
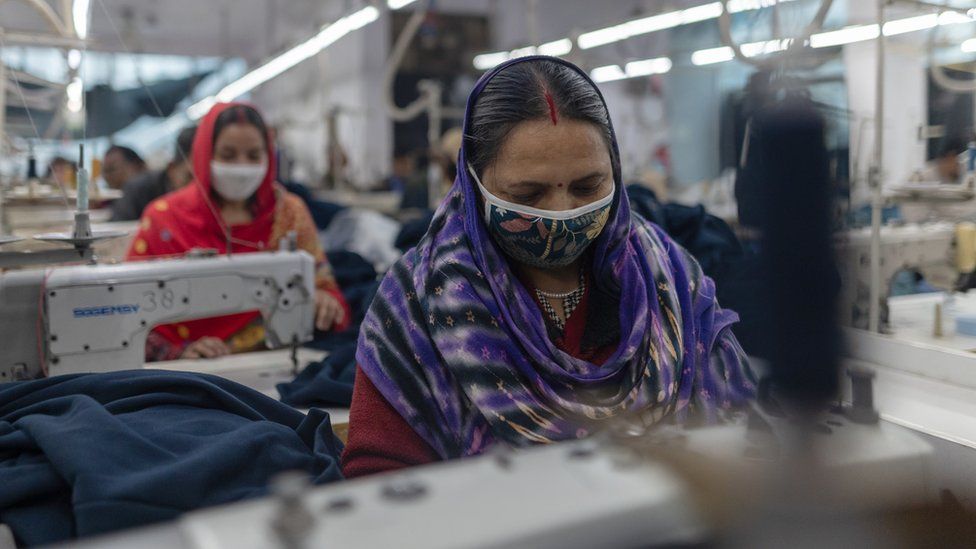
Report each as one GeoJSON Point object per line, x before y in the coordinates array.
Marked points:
{"type": "Point", "coordinates": [927, 247]}
{"type": "Point", "coordinates": [626, 488]}
{"type": "Point", "coordinates": [95, 318]}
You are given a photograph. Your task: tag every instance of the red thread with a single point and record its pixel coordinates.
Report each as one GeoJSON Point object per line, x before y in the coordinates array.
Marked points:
{"type": "Point", "coordinates": [552, 109]}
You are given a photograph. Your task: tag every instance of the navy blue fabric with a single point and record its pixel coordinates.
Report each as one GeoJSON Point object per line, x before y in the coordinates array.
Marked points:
{"type": "Point", "coordinates": [322, 211]}
{"type": "Point", "coordinates": [329, 382]}
{"type": "Point", "coordinates": [358, 280]}
{"type": "Point", "coordinates": [705, 236]}
{"type": "Point", "coordinates": [92, 453]}
{"type": "Point", "coordinates": [412, 231]}
{"type": "Point", "coordinates": [325, 383]}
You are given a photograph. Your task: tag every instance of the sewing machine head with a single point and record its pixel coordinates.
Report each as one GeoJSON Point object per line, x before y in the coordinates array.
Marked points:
{"type": "Point", "coordinates": [95, 318]}
{"type": "Point", "coordinates": [927, 248]}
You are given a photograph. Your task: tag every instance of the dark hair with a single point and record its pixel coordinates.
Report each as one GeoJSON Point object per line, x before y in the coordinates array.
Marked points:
{"type": "Point", "coordinates": [59, 161]}
{"type": "Point", "coordinates": [130, 156]}
{"type": "Point", "coordinates": [240, 114]}
{"type": "Point", "coordinates": [952, 146]}
{"type": "Point", "coordinates": [532, 90]}
{"type": "Point", "coordinates": [184, 143]}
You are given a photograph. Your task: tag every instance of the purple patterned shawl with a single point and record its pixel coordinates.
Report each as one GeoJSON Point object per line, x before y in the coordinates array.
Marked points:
{"type": "Point", "coordinates": [459, 348]}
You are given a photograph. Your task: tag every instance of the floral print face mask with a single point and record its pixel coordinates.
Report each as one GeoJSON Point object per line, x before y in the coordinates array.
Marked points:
{"type": "Point", "coordinates": [543, 238]}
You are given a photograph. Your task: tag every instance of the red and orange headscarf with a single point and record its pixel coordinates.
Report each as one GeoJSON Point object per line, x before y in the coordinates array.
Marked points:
{"type": "Point", "coordinates": [190, 218]}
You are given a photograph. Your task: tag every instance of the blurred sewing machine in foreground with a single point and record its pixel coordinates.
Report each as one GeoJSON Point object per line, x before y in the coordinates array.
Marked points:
{"type": "Point", "coordinates": [95, 318]}
{"type": "Point", "coordinates": [629, 487]}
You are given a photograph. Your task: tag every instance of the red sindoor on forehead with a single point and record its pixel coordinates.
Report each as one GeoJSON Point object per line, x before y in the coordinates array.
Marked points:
{"type": "Point", "coordinates": [552, 109]}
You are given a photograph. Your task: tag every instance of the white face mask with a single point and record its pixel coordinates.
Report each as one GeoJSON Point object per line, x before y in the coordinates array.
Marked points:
{"type": "Point", "coordinates": [237, 181]}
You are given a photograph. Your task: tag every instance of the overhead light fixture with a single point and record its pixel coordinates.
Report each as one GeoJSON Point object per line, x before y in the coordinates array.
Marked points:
{"type": "Point", "coordinates": [647, 67]}
{"type": "Point", "coordinates": [397, 4]}
{"type": "Point", "coordinates": [753, 49]}
{"type": "Point", "coordinates": [197, 110]}
{"type": "Point", "coordinates": [711, 56]}
{"type": "Point", "coordinates": [76, 95]}
{"type": "Point", "coordinates": [646, 25]}
{"type": "Point", "coordinates": [556, 48]}
{"type": "Point", "coordinates": [629, 29]}
{"type": "Point", "coordinates": [634, 69]}
{"type": "Point", "coordinates": [910, 24]}
{"type": "Point", "coordinates": [969, 46]}
{"type": "Point", "coordinates": [847, 35]}
{"type": "Point", "coordinates": [669, 20]}
{"type": "Point", "coordinates": [74, 59]}
{"type": "Point", "coordinates": [861, 33]}
{"type": "Point", "coordinates": [325, 38]}
{"type": "Point", "coordinates": [79, 16]}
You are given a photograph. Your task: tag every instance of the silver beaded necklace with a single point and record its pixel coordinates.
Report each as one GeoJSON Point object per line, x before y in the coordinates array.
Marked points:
{"type": "Point", "coordinates": [570, 299]}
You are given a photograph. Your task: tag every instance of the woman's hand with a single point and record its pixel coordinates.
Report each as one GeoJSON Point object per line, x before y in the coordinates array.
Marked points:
{"type": "Point", "coordinates": [206, 347]}
{"type": "Point", "coordinates": [328, 311]}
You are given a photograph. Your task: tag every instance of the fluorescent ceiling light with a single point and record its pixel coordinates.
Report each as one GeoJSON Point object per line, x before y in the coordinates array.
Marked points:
{"type": "Point", "coordinates": [910, 24]}
{"type": "Point", "coordinates": [79, 16]}
{"type": "Point", "coordinates": [634, 69]}
{"type": "Point", "coordinates": [647, 67]}
{"type": "Point", "coordinates": [397, 4]}
{"type": "Point", "coordinates": [74, 59]}
{"type": "Point", "coordinates": [608, 73]}
{"type": "Point", "coordinates": [754, 49]}
{"type": "Point", "coordinates": [325, 38]}
{"type": "Point", "coordinates": [650, 24]}
{"type": "Point", "coordinates": [197, 110]}
{"type": "Point", "coordinates": [556, 48]}
{"type": "Point", "coordinates": [969, 46]}
{"type": "Point", "coordinates": [628, 29]}
{"type": "Point", "coordinates": [486, 61]}
{"type": "Point", "coordinates": [712, 56]}
{"type": "Point", "coordinates": [668, 20]}
{"type": "Point", "coordinates": [76, 95]}
{"type": "Point", "coordinates": [847, 35]}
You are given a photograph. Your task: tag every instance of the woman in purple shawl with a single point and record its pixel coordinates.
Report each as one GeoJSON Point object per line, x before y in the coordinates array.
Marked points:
{"type": "Point", "coordinates": [537, 308]}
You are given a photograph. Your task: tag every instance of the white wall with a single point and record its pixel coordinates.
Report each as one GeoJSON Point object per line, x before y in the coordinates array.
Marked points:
{"type": "Point", "coordinates": [905, 100]}
{"type": "Point", "coordinates": [346, 76]}
{"type": "Point", "coordinates": [904, 109]}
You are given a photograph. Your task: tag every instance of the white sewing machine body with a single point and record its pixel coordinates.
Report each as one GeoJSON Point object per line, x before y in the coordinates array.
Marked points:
{"type": "Point", "coordinates": [601, 492]}
{"type": "Point", "coordinates": [926, 247]}
{"type": "Point", "coordinates": [95, 318]}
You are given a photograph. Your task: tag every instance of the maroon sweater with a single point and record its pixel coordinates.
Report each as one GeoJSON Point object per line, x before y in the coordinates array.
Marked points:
{"type": "Point", "coordinates": [381, 440]}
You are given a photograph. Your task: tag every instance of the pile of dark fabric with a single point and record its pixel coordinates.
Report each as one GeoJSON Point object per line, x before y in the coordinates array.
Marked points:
{"type": "Point", "coordinates": [328, 383]}
{"type": "Point", "coordinates": [412, 232]}
{"type": "Point", "coordinates": [93, 453]}
{"type": "Point", "coordinates": [322, 211]}
{"type": "Point", "coordinates": [707, 237]}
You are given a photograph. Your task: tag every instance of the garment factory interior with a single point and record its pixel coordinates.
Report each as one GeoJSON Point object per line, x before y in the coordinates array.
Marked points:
{"type": "Point", "coordinates": [487, 273]}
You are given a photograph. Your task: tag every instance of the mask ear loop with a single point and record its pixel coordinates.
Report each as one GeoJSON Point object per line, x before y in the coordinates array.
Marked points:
{"type": "Point", "coordinates": [481, 187]}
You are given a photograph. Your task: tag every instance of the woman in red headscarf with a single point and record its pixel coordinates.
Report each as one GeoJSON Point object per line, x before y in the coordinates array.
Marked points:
{"type": "Point", "coordinates": [233, 201]}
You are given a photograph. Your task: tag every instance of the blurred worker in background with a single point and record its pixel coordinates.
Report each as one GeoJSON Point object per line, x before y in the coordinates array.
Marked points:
{"type": "Point", "coordinates": [139, 191]}
{"type": "Point", "coordinates": [120, 165]}
{"type": "Point", "coordinates": [61, 170]}
{"type": "Point", "coordinates": [947, 166]}
{"type": "Point", "coordinates": [234, 202]}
